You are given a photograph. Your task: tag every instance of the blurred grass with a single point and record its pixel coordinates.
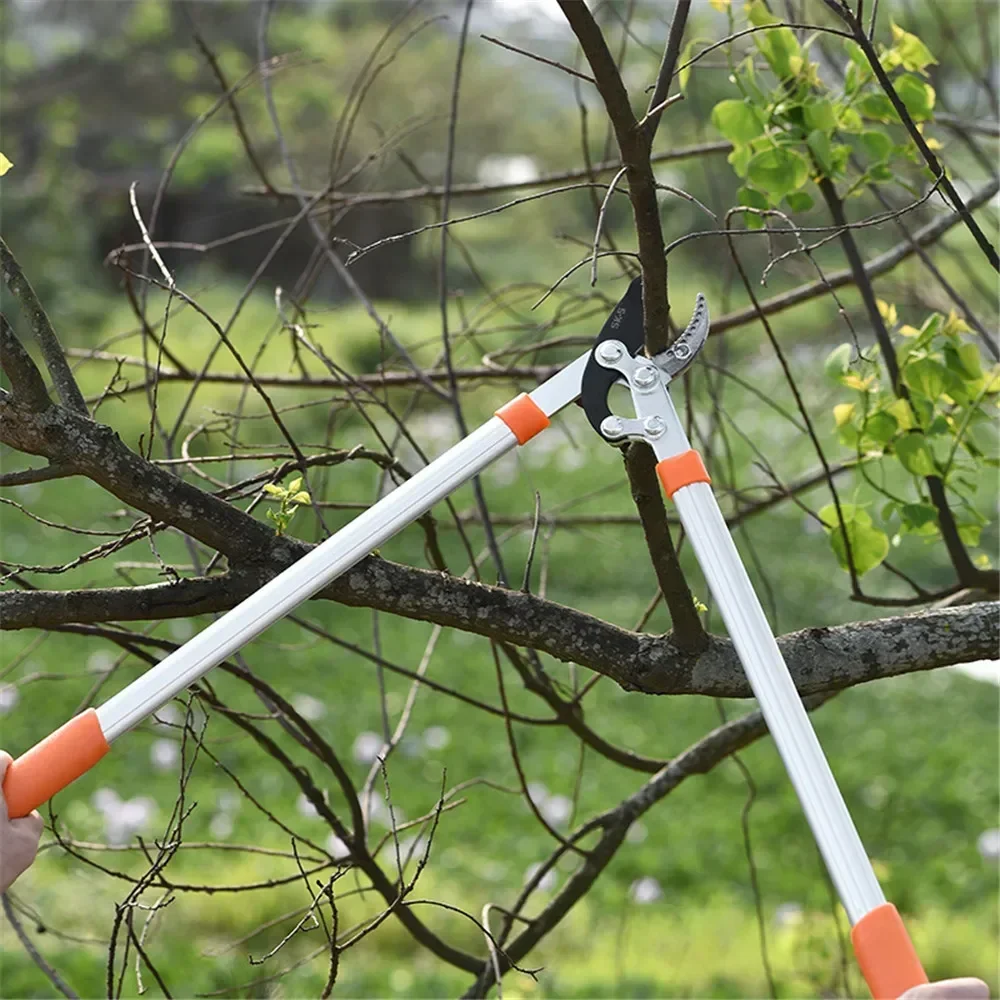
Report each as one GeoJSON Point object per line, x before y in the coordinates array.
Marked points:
{"type": "Point", "coordinates": [916, 757]}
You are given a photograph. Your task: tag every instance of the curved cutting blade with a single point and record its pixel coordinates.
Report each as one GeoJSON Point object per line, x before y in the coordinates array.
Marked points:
{"type": "Point", "coordinates": [679, 355]}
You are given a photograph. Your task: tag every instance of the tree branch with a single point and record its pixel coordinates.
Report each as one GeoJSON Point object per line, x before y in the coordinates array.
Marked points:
{"type": "Point", "coordinates": [688, 632]}
{"type": "Point", "coordinates": [41, 328]}
{"type": "Point", "coordinates": [820, 659]}
{"type": "Point", "coordinates": [634, 145]}
{"type": "Point", "coordinates": [25, 379]}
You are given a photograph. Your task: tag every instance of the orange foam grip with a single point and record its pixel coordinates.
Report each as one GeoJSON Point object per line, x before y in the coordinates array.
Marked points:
{"type": "Point", "coordinates": [54, 763]}
{"type": "Point", "coordinates": [682, 470]}
{"type": "Point", "coordinates": [524, 417]}
{"type": "Point", "coordinates": [885, 953]}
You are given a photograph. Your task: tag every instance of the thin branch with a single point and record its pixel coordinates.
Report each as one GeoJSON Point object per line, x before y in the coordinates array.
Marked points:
{"type": "Point", "coordinates": [537, 58]}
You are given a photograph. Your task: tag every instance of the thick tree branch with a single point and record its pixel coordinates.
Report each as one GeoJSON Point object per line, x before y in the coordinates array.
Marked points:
{"type": "Point", "coordinates": [634, 144]}
{"type": "Point", "coordinates": [42, 330]}
{"type": "Point", "coordinates": [83, 446]}
{"type": "Point", "coordinates": [820, 659]}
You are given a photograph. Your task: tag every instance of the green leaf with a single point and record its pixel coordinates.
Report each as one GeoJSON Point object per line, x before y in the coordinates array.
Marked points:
{"type": "Point", "coordinates": [881, 427]}
{"type": "Point", "coordinates": [856, 54]}
{"type": "Point", "coordinates": [779, 46]}
{"type": "Point", "coordinates": [294, 485]}
{"type": "Point", "coordinates": [880, 173]}
{"type": "Point", "coordinates": [879, 107]}
{"type": "Point", "coordinates": [850, 121]}
{"type": "Point", "coordinates": [914, 454]}
{"type": "Point", "coordinates": [5, 164]}
{"type": "Point", "coordinates": [970, 360]}
{"type": "Point", "coordinates": [758, 14]}
{"type": "Point", "coordinates": [919, 517]}
{"type": "Point", "coordinates": [737, 121]}
{"type": "Point", "coordinates": [799, 201]}
{"type": "Point", "coordinates": [778, 171]}
{"type": "Point", "coordinates": [877, 144]}
{"type": "Point", "coordinates": [969, 533]}
{"type": "Point", "coordinates": [913, 54]}
{"type": "Point", "coordinates": [917, 95]}
{"type": "Point", "coordinates": [739, 158]}
{"type": "Point", "coordinates": [753, 199]}
{"type": "Point", "coordinates": [838, 362]}
{"type": "Point", "coordinates": [819, 145]}
{"type": "Point", "coordinates": [687, 53]}
{"type": "Point", "coordinates": [819, 114]}
{"type": "Point", "coordinates": [930, 378]}
{"type": "Point", "coordinates": [869, 545]}
{"type": "Point", "coordinates": [301, 497]}
{"type": "Point", "coordinates": [275, 491]}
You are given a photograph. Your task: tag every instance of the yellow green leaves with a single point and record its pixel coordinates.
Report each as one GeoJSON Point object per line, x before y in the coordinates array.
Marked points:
{"type": "Point", "coordinates": [944, 427]}
{"type": "Point", "coordinates": [913, 54]}
{"type": "Point", "coordinates": [737, 121]}
{"type": "Point", "coordinates": [778, 171]}
{"type": "Point", "coordinates": [917, 95]}
{"type": "Point", "coordinates": [915, 455]}
{"type": "Point", "coordinates": [289, 499]}
{"type": "Point", "coordinates": [779, 47]}
{"type": "Point", "coordinates": [5, 164]}
{"type": "Point", "coordinates": [868, 545]}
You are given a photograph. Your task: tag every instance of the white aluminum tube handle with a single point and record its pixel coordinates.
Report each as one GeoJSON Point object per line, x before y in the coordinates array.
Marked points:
{"type": "Point", "coordinates": [304, 578]}
{"type": "Point", "coordinates": [73, 749]}
{"type": "Point", "coordinates": [779, 701]}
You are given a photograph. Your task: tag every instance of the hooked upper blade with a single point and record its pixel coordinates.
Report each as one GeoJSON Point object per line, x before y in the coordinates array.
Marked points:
{"type": "Point", "coordinates": [685, 348]}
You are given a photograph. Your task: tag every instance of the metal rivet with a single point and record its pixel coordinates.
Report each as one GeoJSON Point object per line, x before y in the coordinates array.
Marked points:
{"type": "Point", "coordinates": [612, 427]}
{"type": "Point", "coordinates": [681, 351]}
{"type": "Point", "coordinates": [610, 350]}
{"type": "Point", "coordinates": [653, 426]}
{"type": "Point", "coordinates": [644, 377]}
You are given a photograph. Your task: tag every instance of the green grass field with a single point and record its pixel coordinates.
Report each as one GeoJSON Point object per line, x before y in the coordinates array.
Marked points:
{"type": "Point", "coordinates": [916, 757]}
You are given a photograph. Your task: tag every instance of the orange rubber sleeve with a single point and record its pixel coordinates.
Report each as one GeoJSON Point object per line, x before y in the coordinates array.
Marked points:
{"type": "Point", "coordinates": [54, 763]}
{"type": "Point", "coordinates": [885, 953]}
{"type": "Point", "coordinates": [682, 470]}
{"type": "Point", "coordinates": [524, 417]}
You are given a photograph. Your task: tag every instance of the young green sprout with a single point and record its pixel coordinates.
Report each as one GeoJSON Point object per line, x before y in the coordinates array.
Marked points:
{"type": "Point", "coordinates": [289, 498]}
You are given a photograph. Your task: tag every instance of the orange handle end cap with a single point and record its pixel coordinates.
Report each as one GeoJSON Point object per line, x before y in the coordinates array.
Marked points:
{"type": "Point", "coordinates": [54, 763]}
{"type": "Point", "coordinates": [885, 953]}
{"type": "Point", "coordinates": [682, 470]}
{"type": "Point", "coordinates": [524, 417]}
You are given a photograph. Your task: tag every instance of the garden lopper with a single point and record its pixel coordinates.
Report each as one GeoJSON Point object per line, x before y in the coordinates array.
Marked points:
{"type": "Point", "coordinates": [885, 954]}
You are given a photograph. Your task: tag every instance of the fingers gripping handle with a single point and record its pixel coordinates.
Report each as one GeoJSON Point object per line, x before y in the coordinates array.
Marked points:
{"type": "Point", "coordinates": [54, 763]}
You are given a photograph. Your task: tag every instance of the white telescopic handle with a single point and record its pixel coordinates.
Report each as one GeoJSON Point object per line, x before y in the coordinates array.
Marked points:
{"type": "Point", "coordinates": [300, 581]}
{"type": "Point", "coordinates": [779, 701]}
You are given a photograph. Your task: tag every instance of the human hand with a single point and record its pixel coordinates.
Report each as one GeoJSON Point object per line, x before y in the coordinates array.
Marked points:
{"type": "Point", "coordinates": [949, 989]}
{"type": "Point", "coordinates": [18, 837]}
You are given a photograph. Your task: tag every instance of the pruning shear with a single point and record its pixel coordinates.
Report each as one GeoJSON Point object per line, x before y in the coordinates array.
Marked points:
{"type": "Point", "coordinates": [885, 954]}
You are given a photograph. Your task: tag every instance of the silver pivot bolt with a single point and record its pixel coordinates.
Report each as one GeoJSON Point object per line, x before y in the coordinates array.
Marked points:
{"type": "Point", "coordinates": [653, 426]}
{"type": "Point", "coordinates": [610, 351]}
{"type": "Point", "coordinates": [644, 377]}
{"type": "Point", "coordinates": [612, 427]}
